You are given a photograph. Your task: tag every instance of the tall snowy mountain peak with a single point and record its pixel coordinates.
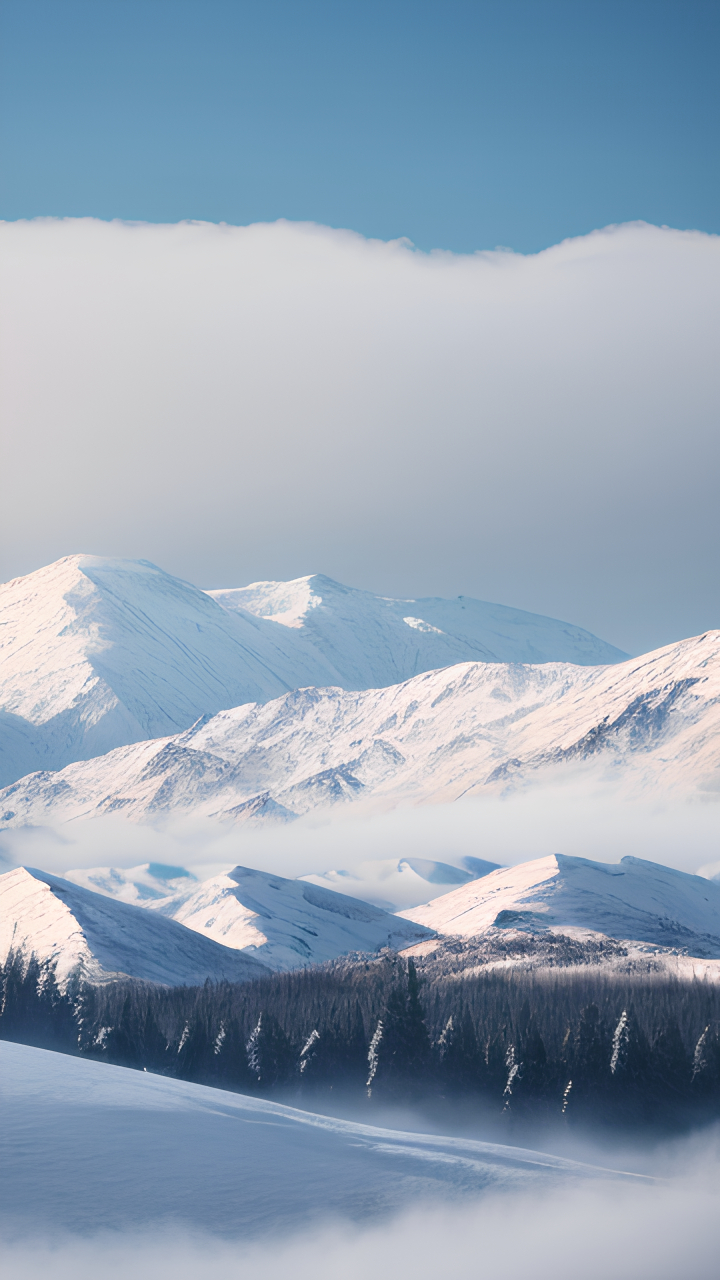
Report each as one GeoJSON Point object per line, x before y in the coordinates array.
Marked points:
{"type": "Point", "coordinates": [631, 899]}
{"type": "Point", "coordinates": [100, 939]}
{"type": "Point", "coordinates": [374, 641]}
{"type": "Point", "coordinates": [655, 721]}
{"type": "Point", "coordinates": [285, 923]}
{"type": "Point", "coordinates": [98, 653]}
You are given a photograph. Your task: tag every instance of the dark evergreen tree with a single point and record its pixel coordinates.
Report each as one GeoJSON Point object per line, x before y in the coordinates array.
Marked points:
{"type": "Point", "coordinates": [629, 1071]}
{"type": "Point", "coordinates": [400, 1051]}
{"type": "Point", "coordinates": [587, 1061]}
{"type": "Point", "coordinates": [270, 1055]}
{"type": "Point", "coordinates": [670, 1070]}
{"type": "Point", "coordinates": [461, 1065]}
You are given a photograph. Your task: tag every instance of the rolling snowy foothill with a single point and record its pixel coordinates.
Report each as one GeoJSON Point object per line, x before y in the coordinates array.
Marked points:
{"type": "Point", "coordinates": [237, 927]}
{"type": "Point", "coordinates": [98, 939]}
{"type": "Point", "coordinates": [285, 923]}
{"type": "Point", "coordinates": [629, 900]}
{"type": "Point", "coordinates": [652, 723]}
{"type": "Point", "coordinates": [395, 883]}
{"type": "Point", "coordinates": [133, 884]}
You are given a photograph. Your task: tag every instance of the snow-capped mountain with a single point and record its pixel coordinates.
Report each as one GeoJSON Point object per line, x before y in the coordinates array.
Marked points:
{"type": "Point", "coordinates": [133, 884]}
{"type": "Point", "coordinates": [396, 883]}
{"type": "Point", "coordinates": [654, 720]}
{"type": "Point", "coordinates": [631, 899]}
{"type": "Point", "coordinates": [101, 939]}
{"type": "Point", "coordinates": [372, 641]}
{"type": "Point", "coordinates": [94, 1148]}
{"type": "Point", "coordinates": [284, 923]}
{"type": "Point", "coordinates": [97, 653]}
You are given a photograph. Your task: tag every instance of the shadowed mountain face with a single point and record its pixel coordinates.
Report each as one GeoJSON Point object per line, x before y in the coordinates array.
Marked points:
{"type": "Point", "coordinates": [654, 721]}
{"type": "Point", "coordinates": [98, 653]}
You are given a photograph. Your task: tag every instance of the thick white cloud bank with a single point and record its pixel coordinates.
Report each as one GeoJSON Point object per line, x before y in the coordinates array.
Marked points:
{"type": "Point", "coordinates": [238, 403]}
{"type": "Point", "coordinates": [582, 816]}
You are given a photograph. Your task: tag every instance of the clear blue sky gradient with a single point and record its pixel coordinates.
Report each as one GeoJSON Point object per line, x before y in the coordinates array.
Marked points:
{"type": "Point", "coordinates": [460, 125]}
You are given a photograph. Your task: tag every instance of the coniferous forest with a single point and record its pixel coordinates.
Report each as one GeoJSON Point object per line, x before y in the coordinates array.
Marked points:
{"type": "Point", "coordinates": [583, 1043]}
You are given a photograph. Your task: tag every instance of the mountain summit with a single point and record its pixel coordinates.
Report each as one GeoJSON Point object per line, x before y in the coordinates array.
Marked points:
{"type": "Point", "coordinates": [99, 653]}
{"type": "Point", "coordinates": [373, 641]}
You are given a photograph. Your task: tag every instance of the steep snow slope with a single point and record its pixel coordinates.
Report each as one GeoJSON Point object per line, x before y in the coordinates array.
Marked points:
{"type": "Point", "coordinates": [133, 884]}
{"type": "Point", "coordinates": [94, 1148]}
{"type": "Point", "coordinates": [654, 720]}
{"type": "Point", "coordinates": [100, 652]}
{"type": "Point", "coordinates": [99, 938]}
{"type": "Point", "coordinates": [631, 899]}
{"type": "Point", "coordinates": [395, 883]}
{"type": "Point", "coordinates": [372, 641]}
{"type": "Point", "coordinates": [285, 923]}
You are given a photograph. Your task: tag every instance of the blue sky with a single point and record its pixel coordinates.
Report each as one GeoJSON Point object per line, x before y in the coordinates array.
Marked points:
{"type": "Point", "coordinates": [459, 125]}
{"type": "Point", "coordinates": [247, 401]}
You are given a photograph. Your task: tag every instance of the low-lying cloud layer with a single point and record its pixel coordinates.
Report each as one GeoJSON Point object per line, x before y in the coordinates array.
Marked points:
{"type": "Point", "coordinates": [581, 815]}
{"type": "Point", "coordinates": [646, 1231]}
{"type": "Point", "coordinates": [238, 403]}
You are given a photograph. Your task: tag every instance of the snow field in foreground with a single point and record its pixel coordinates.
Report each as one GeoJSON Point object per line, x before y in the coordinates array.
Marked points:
{"type": "Point", "coordinates": [91, 1147]}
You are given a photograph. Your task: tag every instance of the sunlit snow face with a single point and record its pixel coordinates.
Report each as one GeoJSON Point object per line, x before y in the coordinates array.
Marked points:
{"type": "Point", "coordinates": [290, 399]}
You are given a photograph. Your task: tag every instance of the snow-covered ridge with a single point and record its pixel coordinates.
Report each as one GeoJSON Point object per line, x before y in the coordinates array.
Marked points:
{"type": "Point", "coordinates": [97, 653]}
{"type": "Point", "coordinates": [654, 721]}
{"type": "Point", "coordinates": [373, 641]}
{"type": "Point", "coordinates": [285, 923]}
{"type": "Point", "coordinates": [631, 899]}
{"type": "Point", "coordinates": [100, 939]}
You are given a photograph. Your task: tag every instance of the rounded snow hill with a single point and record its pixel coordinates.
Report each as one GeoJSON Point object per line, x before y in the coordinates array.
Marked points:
{"type": "Point", "coordinates": [285, 923]}
{"type": "Point", "coordinates": [92, 1147]}
{"type": "Point", "coordinates": [631, 899]}
{"type": "Point", "coordinates": [100, 939]}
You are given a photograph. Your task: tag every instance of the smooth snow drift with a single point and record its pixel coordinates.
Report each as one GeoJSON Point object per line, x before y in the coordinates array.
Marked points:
{"type": "Point", "coordinates": [630, 899]}
{"type": "Point", "coordinates": [285, 923]}
{"type": "Point", "coordinates": [653, 721]}
{"type": "Point", "coordinates": [101, 939]}
{"type": "Point", "coordinates": [97, 653]}
{"type": "Point", "coordinates": [372, 641]}
{"type": "Point", "coordinates": [90, 1147]}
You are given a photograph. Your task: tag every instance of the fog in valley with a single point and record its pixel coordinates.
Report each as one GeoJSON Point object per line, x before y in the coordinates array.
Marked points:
{"type": "Point", "coordinates": [661, 1226]}
{"type": "Point", "coordinates": [585, 814]}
